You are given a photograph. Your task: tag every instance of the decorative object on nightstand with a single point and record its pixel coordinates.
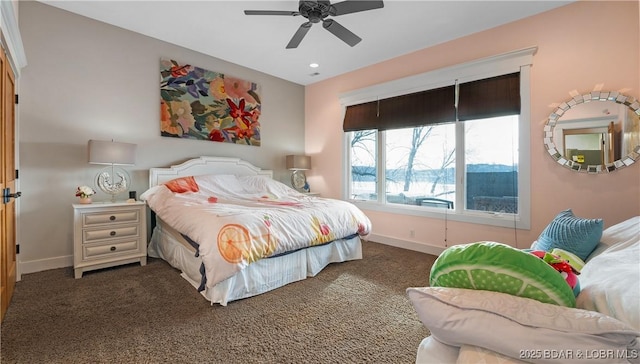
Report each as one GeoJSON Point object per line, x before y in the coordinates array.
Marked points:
{"type": "Point", "coordinates": [85, 193]}
{"type": "Point", "coordinates": [113, 154]}
{"type": "Point", "coordinates": [298, 164]}
{"type": "Point", "coordinates": [108, 234]}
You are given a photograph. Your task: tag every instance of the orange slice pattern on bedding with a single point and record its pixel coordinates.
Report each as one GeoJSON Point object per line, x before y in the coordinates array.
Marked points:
{"type": "Point", "coordinates": [184, 184]}
{"type": "Point", "coordinates": [234, 242]}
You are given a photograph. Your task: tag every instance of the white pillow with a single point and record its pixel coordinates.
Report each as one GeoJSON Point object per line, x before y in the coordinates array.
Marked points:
{"type": "Point", "coordinates": [609, 283]}
{"type": "Point", "coordinates": [520, 328]}
{"type": "Point", "coordinates": [627, 230]}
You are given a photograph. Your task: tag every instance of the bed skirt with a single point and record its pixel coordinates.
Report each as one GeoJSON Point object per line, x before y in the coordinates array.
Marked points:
{"type": "Point", "coordinates": [260, 276]}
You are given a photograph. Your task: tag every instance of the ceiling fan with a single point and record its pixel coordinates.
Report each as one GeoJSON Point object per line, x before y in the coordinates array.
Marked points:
{"type": "Point", "coordinates": [317, 11]}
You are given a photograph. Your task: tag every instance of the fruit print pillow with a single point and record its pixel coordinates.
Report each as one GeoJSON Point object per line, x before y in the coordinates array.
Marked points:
{"type": "Point", "coordinates": [183, 184]}
{"type": "Point", "coordinates": [562, 266]}
{"type": "Point", "coordinates": [492, 266]}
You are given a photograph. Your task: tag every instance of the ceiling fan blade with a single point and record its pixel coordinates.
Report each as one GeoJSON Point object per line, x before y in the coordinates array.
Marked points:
{"type": "Point", "coordinates": [354, 6]}
{"type": "Point", "coordinates": [270, 12]}
{"type": "Point", "coordinates": [341, 32]}
{"type": "Point", "coordinates": [300, 33]}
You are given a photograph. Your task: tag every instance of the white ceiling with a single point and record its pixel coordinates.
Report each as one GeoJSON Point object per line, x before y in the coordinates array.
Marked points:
{"type": "Point", "coordinates": [220, 29]}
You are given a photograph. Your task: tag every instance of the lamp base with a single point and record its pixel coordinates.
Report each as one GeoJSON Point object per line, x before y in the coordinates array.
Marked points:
{"type": "Point", "coordinates": [299, 181]}
{"type": "Point", "coordinates": [106, 181]}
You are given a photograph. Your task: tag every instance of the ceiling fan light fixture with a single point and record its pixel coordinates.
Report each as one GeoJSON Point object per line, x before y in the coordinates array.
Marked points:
{"type": "Point", "coordinates": [314, 65]}
{"type": "Point", "coordinates": [316, 11]}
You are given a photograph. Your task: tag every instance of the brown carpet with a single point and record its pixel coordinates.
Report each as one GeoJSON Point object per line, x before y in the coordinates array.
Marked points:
{"type": "Point", "coordinates": [353, 312]}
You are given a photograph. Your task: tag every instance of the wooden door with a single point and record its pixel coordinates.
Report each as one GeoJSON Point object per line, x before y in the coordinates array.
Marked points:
{"type": "Point", "coordinates": [8, 266]}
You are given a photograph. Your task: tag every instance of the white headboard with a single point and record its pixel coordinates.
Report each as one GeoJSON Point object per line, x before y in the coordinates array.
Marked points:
{"type": "Point", "coordinates": [206, 165]}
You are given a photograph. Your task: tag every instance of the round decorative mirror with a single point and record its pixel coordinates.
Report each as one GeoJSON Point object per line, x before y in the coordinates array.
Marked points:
{"type": "Point", "coordinates": [597, 132]}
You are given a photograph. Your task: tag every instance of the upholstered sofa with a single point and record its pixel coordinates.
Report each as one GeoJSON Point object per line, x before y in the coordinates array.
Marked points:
{"type": "Point", "coordinates": [480, 326]}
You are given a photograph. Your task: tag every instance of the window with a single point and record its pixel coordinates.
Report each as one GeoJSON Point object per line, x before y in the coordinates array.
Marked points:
{"type": "Point", "coordinates": [363, 164]}
{"type": "Point", "coordinates": [420, 165]}
{"type": "Point", "coordinates": [491, 164]}
{"type": "Point", "coordinates": [457, 146]}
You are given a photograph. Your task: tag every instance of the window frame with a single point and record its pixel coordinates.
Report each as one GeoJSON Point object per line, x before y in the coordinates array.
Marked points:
{"type": "Point", "coordinates": [516, 61]}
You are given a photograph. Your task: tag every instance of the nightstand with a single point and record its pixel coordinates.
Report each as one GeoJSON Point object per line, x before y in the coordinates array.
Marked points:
{"type": "Point", "coordinates": [107, 234]}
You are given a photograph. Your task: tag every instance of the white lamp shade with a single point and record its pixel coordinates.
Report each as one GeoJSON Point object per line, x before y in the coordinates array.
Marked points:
{"type": "Point", "coordinates": [112, 153]}
{"type": "Point", "coordinates": [298, 162]}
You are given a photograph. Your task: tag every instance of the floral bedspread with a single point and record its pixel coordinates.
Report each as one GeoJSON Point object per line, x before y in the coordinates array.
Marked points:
{"type": "Point", "coordinates": [237, 220]}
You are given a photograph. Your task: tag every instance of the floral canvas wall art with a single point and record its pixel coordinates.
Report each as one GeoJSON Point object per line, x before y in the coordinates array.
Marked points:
{"type": "Point", "coordinates": [196, 103]}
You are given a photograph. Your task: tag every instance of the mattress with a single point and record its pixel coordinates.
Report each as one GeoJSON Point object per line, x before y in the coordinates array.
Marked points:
{"type": "Point", "coordinates": [261, 276]}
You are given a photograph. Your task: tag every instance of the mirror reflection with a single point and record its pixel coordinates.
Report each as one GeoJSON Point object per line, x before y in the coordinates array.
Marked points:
{"type": "Point", "coordinates": [596, 132]}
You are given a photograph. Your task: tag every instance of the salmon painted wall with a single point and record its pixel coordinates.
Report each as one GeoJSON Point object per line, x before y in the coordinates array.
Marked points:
{"type": "Point", "coordinates": [581, 47]}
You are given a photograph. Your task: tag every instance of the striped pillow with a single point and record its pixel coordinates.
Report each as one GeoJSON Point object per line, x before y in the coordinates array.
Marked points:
{"type": "Point", "coordinates": [573, 234]}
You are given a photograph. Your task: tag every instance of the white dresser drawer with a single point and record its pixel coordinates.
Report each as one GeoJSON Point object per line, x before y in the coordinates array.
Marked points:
{"type": "Point", "coordinates": [99, 218]}
{"type": "Point", "coordinates": [99, 251]}
{"type": "Point", "coordinates": [91, 236]}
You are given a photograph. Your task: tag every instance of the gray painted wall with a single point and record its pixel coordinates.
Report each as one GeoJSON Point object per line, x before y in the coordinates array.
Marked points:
{"type": "Point", "coordinates": [89, 80]}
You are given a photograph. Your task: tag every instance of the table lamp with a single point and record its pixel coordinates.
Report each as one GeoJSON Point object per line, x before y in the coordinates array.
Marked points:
{"type": "Point", "coordinates": [298, 164]}
{"type": "Point", "coordinates": [112, 154]}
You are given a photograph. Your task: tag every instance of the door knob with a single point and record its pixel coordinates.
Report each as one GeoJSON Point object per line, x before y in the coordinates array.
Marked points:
{"type": "Point", "coordinates": [7, 196]}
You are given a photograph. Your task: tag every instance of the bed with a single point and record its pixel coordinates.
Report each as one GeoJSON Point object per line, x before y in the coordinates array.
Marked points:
{"type": "Point", "coordinates": [233, 232]}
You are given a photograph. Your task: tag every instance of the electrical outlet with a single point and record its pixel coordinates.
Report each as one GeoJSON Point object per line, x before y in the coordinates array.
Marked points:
{"type": "Point", "coordinates": [412, 233]}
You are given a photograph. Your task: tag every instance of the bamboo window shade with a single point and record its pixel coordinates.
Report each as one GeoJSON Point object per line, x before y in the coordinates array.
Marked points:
{"type": "Point", "coordinates": [485, 98]}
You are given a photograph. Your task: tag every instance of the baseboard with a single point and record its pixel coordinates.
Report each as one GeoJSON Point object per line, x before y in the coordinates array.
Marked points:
{"type": "Point", "coordinates": [405, 244]}
{"type": "Point", "coordinates": [33, 266]}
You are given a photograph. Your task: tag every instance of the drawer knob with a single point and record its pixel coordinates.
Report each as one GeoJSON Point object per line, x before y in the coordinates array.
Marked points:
{"type": "Point", "coordinates": [112, 217]}
{"type": "Point", "coordinates": [113, 233]}
{"type": "Point", "coordinates": [113, 248]}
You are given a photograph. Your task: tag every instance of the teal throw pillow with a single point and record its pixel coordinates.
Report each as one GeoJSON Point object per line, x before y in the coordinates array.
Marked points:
{"type": "Point", "coordinates": [498, 267]}
{"type": "Point", "coordinates": [571, 233]}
